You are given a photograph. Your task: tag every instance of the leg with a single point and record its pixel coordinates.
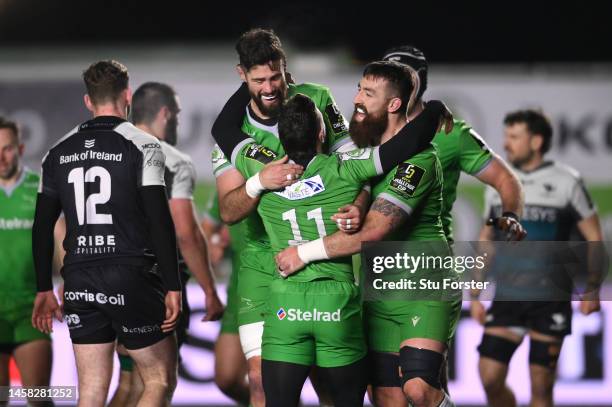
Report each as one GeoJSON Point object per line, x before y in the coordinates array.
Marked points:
{"type": "Point", "coordinates": [421, 361]}
{"type": "Point", "coordinates": [157, 365]}
{"type": "Point", "coordinates": [347, 383]}
{"type": "Point", "coordinates": [231, 368]}
{"type": "Point", "coordinates": [250, 339]}
{"type": "Point", "coordinates": [95, 368]}
{"type": "Point", "coordinates": [321, 388]}
{"type": "Point", "coordinates": [122, 392]}
{"type": "Point", "coordinates": [283, 382]}
{"type": "Point", "coordinates": [386, 380]}
{"type": "Point", "coordinates": [136, 388]}
{"type": "Point", "coordinates": [496, 349]}
{"type": "Point", "coordinates": [34, 362]}
{"type": "Point", "coordinates": [543, 355]}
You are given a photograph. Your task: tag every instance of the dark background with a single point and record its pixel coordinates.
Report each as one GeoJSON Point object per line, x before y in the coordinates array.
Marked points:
{"type": "Point", "coordinates": [457, 32]}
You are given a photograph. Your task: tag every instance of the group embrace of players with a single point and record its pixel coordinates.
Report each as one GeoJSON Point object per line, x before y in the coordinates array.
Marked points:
{"type": "Point", "coordinates": [301, 189]}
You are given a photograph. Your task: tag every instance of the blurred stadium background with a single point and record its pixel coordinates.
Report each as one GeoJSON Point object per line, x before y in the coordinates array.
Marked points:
{"type": "Point", "coordinates": [483, 63]}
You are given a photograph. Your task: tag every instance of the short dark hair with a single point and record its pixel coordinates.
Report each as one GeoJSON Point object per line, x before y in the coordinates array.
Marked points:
{"type": "Point", "coordinates": [414, 58]}
{"type": "Point", "coordinates": [537, 123]}
{"type": "Point", "coordinates": [105, 80]}
{"type": "Point", "coordinates": [259, 47]}
{"type": "Point", "coordinates": [396, 74]}
{"type": "Point", "coordinates": [148, 100]}
{"type": "Point", "coordinates": [298, 127]}
{"type": "Point", "coordinates": [10, 125]}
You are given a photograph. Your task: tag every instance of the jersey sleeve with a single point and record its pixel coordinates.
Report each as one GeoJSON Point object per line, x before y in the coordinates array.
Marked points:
{"type": "Point", "coordinates": [411, 183]}
{"type": "Point", "coordinates": [183, 181]}
{"type": "Point", "coordinates": [336, 126]}
{"type": "Point", "coordinates": [220, 163]}
{"type": "Point", "coordinates": [252, 158]}
{"type": "Point", "coordinates": [47, 184]}
{"type": "Point", "coordinates": [153, 164]}
{"type": "Point", "coordinates": [580, 200]}
{"type": "Point", "coordinates": [360, 165]}
{"type": "Point", "coordinates": [474, 153]}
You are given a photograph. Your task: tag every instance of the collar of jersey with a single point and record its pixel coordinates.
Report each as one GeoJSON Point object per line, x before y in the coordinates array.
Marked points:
{"type": "Point", "coordinates": [544, 164]}
{"type": "Point", "coordinates": [102, 123]}
{"type": "Point", "coordinates": [9, 190]}
{"type": "Point", "coordinates": [255, 121]}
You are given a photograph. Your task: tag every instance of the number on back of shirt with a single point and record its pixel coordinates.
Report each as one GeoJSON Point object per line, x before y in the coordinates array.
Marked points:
{"type": "Point", "coordinates": [86, 208]}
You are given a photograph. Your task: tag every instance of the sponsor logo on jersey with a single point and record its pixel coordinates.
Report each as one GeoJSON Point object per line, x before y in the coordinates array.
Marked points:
{"type": "Point", "coordinates": [415, 320]}
{"type": "Point", "coordinates": [296, 314]}
{"type": "Point", "coordinates": [151, 145]}
{"type": "Point", "coordinates": [335, 118]}
{"type": "Point", "coordinates": [303, 188]}
{"type": "Point", "coordinates": [16, 224]}
{"type": "Point", "coordinates": [260, 153]}
{"type": "Point", "coordinates": [72, 319]}
{"type": "Point", "coordinates": [407, 179]}
{"type": "Point", "coordinates": [90, 155]}
{"type": "Point", "coordinates": [100, 298]}
{"type": "Point", "coordinates": [141, 329]}
{"type": "Point", "coordinates": [90, 143]}
{"type": "Point", "coordinates": [559, 322]}
{"type": "Point", "coordinates": [358, 154]}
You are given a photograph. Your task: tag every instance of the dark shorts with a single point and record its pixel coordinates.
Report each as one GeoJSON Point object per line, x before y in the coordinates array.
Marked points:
{"type": "Point", "coordinates": [104, 302]}
{"type": "Point", "coordinates": [549, 318]}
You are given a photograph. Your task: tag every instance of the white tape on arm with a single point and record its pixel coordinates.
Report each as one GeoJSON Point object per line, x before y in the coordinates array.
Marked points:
{"type": "Point", "coordinates": [312, 251]}
{"type": "Point", "coordinates": [254, 187]}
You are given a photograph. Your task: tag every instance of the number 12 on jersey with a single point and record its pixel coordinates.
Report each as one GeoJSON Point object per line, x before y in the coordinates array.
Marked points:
{"type": "Point", "coordinates": [78, 176]}
{"type": "Point", "coordinates": [315, 214]}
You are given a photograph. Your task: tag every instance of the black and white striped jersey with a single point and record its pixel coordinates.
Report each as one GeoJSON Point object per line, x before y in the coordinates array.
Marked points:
{"type": "Point", "coordinates": [555, 201]}
{"type": "Point", "coordinates": [96, 170]}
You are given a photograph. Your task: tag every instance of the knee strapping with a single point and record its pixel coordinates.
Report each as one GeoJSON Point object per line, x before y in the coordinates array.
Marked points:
{"type": "Point", "coordinates": [421, 363]}
{"type": "Point", "coordinates": [544, 353]}
{"type": "Point", "coordinates": [497, 348]}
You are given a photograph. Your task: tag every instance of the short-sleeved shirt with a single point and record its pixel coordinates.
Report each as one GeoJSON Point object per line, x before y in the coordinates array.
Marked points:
{"type": "Point", "coordinates": [415, 186]}
{"type": "Point", "coordinates": [463, 150]}
{"type": "Point", "coordinates": [302, 211]}
{"type": "Point", "coordinates": [17, 204]}
{"type": "Point", "coordinates": [555, 201]}
{"type": "Point", "coordinates": [266, 134]}
{"type": "Point", "coordinates": [95, 171]}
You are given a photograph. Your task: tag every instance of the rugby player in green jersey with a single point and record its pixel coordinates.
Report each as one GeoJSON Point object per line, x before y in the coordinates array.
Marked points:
{"type": "Point", "coordinates": [262, 67]}
{"type": "Point", "coordinates": [30, 348]}
{"type": "Point", "coordinates": [314, 316]}
{"type": "Point", "coordinates": [230, 364]}
{"type": "Point", "coordinates": [406, 214]}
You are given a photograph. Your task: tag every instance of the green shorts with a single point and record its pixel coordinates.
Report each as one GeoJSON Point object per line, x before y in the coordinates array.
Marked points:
{"type": "Point", "coordinates": [16, 320]}
{"type": "Point", "coordinates": [229, 322]}
{"type": "Point", "coordinates": [389, 323]}
{"type": "Point", "coordinates": [255, 273]}
{"type": "Point", "coordinates": [314, 323]}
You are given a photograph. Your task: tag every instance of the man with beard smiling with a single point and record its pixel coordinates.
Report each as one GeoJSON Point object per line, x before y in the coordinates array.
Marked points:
{"type": "Point", "coordinates": [404, 214]}
{"type": "Point", "coordinates": [262, 67]}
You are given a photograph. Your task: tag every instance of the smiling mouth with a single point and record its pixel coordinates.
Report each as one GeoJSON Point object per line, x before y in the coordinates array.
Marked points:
{"type": "Point", "coordinates": [269, 98]}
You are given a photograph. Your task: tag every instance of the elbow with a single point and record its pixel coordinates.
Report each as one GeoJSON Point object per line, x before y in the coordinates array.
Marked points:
{"type": "Point", "coordinates": [227, 217]}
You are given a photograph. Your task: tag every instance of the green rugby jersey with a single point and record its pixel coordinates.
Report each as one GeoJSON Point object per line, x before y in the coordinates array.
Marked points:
{"type": "Point", "coordinates": [337, 136]}
{"type": "Point", "coordinates": [236, 230]}
{"type": "Point", "coordinates": [461, 150]}
{"type": "Point", "coordinates": [302, 212]}
{"type": "Point", "coordinates": [415, 186]}
{"type": "Point", "coordinates": [17, 206]}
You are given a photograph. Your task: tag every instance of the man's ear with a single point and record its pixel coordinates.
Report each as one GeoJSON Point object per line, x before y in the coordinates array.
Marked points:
{"type": "Point", "coordinates": [128, 95]}
{"type": "Point", "coordinates": [536, 141]}
{"type": "Point", "coordinates": [394, 105]}
{"type": "Point", "coordinates": [241, 72]}
{"type": "Point", "coordinates": [88, 103]}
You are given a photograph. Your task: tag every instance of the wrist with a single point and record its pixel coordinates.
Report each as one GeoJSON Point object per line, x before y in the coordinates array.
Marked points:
{"type": "Point", "coordinates": [254, 186]}
{"type": "Point", "coordinates": [510, 214]}
{"type": "Point", "coordinates": [312, 251]}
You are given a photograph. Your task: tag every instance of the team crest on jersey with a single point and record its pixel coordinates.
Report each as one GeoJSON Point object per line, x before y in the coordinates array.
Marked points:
{"type": "Point", "coordinates": [358, 154]}
{"type": "Point", "coordinates": [303, 188]}
{"type": "Point", "coordinates": [407, 179]}
{"type": "Point", "coordinates": [260, 153]}
{"type": "Point", "coordinates": [335, 118]}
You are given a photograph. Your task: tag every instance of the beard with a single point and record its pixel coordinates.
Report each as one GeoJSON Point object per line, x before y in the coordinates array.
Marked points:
{"type": "Point", "coordinates": [369, 131]}
{"type": "Point", "coordinates": [518, 161]}
{"type": "Point", "coordinates": [270, 110]}
{"type": "Point", "coordinates": [10, 171]}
